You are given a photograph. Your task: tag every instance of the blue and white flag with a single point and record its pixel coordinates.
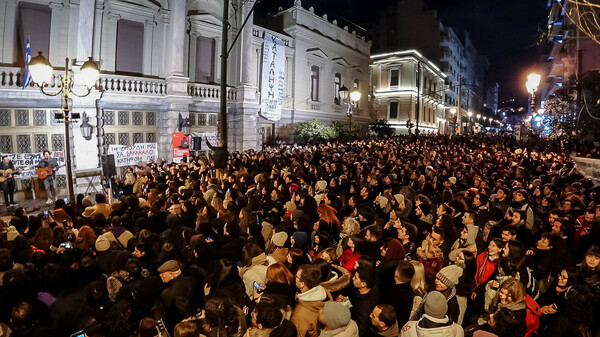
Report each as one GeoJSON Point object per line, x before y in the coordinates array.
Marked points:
{"type": "Point", "coordinates": [27, 77]}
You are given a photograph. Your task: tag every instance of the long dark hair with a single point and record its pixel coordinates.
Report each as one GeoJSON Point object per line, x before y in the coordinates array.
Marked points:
{"type": "Point", "coordinates": [466, 283]}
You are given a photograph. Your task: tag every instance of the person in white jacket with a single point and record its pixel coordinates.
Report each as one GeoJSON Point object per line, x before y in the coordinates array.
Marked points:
{"type": "Point", "coordinates": [434, 322]}
{"type": "Point", "coordinates": [336, 318]}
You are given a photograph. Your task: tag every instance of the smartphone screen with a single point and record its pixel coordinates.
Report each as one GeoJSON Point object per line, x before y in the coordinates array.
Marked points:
{"type": "Point", "coordinates": [256, 285]}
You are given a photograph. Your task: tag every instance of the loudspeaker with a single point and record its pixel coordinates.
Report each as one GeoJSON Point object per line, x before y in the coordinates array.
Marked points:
{"type": "Point", "coordinates": [108, 165]}
{"type": "Point", "coordinates": [196, 143]}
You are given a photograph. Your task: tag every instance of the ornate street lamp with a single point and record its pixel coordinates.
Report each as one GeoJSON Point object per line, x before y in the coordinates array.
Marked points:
{"type": "Point", "coordinates": [86, 128]}
{"type": "Point", "coordinates": [351, 103]}
{"type": "Point", "coordinates": [533, 81]}
{"type": "Point", "coordinates": [184, 125]}
{"type": "Point", "coordinates": [41, 74]}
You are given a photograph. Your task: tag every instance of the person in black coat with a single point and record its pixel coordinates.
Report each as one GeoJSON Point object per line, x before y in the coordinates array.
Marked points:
{"type": "Point", "coordinates": [401, 295]}
{"type": "Point", "coordinates": [220, 157]}
{"type": "Point", "coordinates": [364, 299]}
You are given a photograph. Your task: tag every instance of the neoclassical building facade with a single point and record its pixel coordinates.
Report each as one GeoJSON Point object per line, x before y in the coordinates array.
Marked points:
{"type": "Point", "coordinates": [160, 59]}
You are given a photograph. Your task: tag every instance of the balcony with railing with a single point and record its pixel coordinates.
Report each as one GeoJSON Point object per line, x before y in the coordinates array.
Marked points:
{"type": "Point", "coordinates": [12, 78]}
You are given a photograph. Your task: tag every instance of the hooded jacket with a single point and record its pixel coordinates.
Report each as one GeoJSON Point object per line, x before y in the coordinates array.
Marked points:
{"type": "Point", "coordinates": [337, 284]}
{"type": "Point", "coordinates": [432, 327]}
{"type": "Point", "coordinates": [257, 272]}
{"type": "Point", "coordinates": [461, 245]}
{"type": "Point", "coordinates": [306, 313]}
{"type": "Point", "coordinates": [349, 330]}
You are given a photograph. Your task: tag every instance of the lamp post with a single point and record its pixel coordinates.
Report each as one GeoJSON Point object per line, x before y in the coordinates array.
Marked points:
{"type": "Point", "coordinates": [351, 103]}
{"type": "Point", "coordinates": [533, 81]}
{"type": "Point", "coordinates": [484, 118]}
{"type": "Point", "coordinates": [41, 74]}
{"type": "Point", "coordinates": [469, 114]}
{"type": "Point", "coordinates": [453, 112]}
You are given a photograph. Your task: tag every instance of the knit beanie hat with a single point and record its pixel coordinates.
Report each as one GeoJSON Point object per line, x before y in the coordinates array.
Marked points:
{"type": "Point", "coordinates": [300, 239]}
{"type": "Point", "coordinates": [336, 315]}
{"type": "Point", "coordinates": [449, 275]}
{"type": "Point", "coordinates": [435, 304]}
{"type": "Point", "coordinates": [279, 239]}
{"type": "Point", "coordinates": [322, 185]}
{"type": "Point", "coordinates": [399, 198]}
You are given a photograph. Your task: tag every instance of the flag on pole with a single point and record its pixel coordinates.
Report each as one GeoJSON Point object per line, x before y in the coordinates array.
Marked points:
{"type": "Point", "coordinates": [27, 77]}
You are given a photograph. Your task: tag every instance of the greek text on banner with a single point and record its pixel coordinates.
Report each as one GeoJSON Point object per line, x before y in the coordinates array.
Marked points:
{"type": "Point", "coordinates": [133, 155]}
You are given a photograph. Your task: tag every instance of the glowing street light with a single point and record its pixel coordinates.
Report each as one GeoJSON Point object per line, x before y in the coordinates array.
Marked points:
{"type": "Point", "coordinates": [532, 84]}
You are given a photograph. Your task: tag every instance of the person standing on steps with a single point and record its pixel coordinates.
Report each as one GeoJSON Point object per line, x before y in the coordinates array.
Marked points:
{"type": "Point", "coordinates": [49, 183]}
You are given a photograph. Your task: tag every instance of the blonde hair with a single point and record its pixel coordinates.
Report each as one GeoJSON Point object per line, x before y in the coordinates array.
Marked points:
{"type": "Point", "coordinates": [351, 226]}
{"type": "Point", "coordinates": [516, 291]}
{"type": "Point", "coordinates": [417, 283]}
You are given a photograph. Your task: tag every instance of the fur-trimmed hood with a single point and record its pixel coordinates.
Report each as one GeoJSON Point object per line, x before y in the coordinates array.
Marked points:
{"type": "Point", "coordinates": [339, 283]}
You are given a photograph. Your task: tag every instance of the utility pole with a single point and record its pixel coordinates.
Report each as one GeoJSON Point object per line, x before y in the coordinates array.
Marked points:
{"type": "Point", "coordinates": [459, 113]}
{"type": "Point", "coordinates": [223, 110]}
{"type": "Point", "coordinates": [418, 107]}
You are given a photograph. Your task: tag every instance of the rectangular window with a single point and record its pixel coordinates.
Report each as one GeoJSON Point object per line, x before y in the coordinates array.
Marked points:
{"type": "Point", "coordinates": [205, 60]}
{"type": "Point", "coordinates": [394, 77]}
{"type": "Point", "coordinates": [314, 83]}
{"type": "Point", "coordinates": [130, 46]}
{"type": "Point", "coordinates": [336, 88]}
{"type": "Point", "coordinates": [393, 110]}
{"type": "Point", "coordinates": [356, 87]}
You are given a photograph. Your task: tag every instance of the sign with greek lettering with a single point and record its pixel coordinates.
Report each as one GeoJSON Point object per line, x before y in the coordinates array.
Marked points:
{"type": "Point", "coordinates": [133, 155]}
{"type": "Point", "coordinates": [273, 78]}
{"type": "Point", "coordinates": [27, 162]}
{"type": "Point", "coordinates": [590, 168]}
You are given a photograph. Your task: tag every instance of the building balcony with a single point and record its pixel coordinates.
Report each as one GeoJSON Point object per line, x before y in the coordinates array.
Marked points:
{"type": "Point", "coordinates": [12, 78]}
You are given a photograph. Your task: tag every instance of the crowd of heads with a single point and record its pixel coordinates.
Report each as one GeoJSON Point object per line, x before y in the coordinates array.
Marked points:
{"type": "Point", "coordinates": [379, 237]}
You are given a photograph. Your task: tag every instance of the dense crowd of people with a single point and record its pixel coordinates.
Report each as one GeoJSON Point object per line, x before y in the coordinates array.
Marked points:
{"type": "Point", "coordinates": [430, 236]}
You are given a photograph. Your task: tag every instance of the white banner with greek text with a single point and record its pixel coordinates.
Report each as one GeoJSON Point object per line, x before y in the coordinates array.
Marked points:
{"type": "Point", "coordinates": [27, 162]}
{"type": "Point", "coordinates": [133, 155]}
{"type": "Point", "coordinates": [273, 78]}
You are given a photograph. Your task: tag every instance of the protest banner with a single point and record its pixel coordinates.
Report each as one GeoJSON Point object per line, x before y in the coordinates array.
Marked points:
{"type": "Point", "coordinates": [590, 168]}
{"type": "Point", "coordinates": [133, 155]}
{"type": "Point", "coordinates": [27, 162]}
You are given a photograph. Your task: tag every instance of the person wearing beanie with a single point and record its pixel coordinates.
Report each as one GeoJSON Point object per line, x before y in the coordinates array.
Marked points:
{"type": "Point", "coordinates": [277, 248]}
{"type": "Point", "coordinates": [445, 282]}
{"type": "Point", "coordinates": [336, 318]}
{"type": "Point", "coordinates": [434, 321]}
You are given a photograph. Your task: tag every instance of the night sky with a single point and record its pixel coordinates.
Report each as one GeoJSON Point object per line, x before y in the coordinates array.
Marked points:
{"type": "Point", "coordinates": [504, 31]}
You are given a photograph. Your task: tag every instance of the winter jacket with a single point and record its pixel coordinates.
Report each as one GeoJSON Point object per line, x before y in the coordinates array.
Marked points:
{"type": "Point", "coordinates": [306, 313]}
{"type": "Point", "coordinates": [485, 268]}
{"type": "Point", "coordinates": [401, 297]}
{"type": "Point", "coordinates": [257, 272]}
{"type": "Point", "coordinates": [464, 245]}
{"type": "Point", "coordinates": [362, 306]}
{"type": "Point", "coordinates": [348, 259]}
{"type": "Point", "coordinates": [350, 330]}
{"type": "Point", "coordinates": [336, 284]}
{"type": "Point", "coordinates": [429, 326]}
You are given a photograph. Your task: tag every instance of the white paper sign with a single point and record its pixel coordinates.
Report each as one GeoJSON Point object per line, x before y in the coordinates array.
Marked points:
{"type": "Point", "coordinates": [590, 168]}
{"type": "Point", "coordinates": [133, 155]}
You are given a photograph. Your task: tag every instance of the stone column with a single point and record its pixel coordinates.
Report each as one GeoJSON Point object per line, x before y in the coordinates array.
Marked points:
{"type": "Point", "coordinates": [85, 30]}
{"type": "Point", "coordinates": [72, 27]}
{"type": "Point", "coordinates": [160, 38]}
{"type": "Point", "coordinates": [148, 38]}
{"type": "Point", "coordinates": [109, 41]}
{"type": "Point", "coordinates": [177, 99]}
{"type": "Point", "coordinates": [58, 35]}
{"type": "Point", "coordinates": [97, 38]}
{"type": "Point", "coordinates": [246, 54]}
{"type": "Point", "coordinates": [192, 56]}
{"type": "Point", "coordinates": [8, 31]}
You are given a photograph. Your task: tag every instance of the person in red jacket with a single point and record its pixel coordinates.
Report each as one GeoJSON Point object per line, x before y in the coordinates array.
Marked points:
{"type": "Point", "coordinates": [351, 254]}
{"type": "Point", "coordinates": [487, 262]}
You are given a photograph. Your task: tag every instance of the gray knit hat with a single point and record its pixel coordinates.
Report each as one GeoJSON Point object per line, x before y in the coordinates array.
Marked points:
{"type": "Point", "coordinates": [435, 304]}
{"type": "Point", "coordinates": [449, 275]}
{"type": "Point", "coordinates": [336, 315]}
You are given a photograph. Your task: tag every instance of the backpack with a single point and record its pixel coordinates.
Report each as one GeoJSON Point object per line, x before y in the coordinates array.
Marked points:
{"type": "Point", "coordinates": [532, 319]}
